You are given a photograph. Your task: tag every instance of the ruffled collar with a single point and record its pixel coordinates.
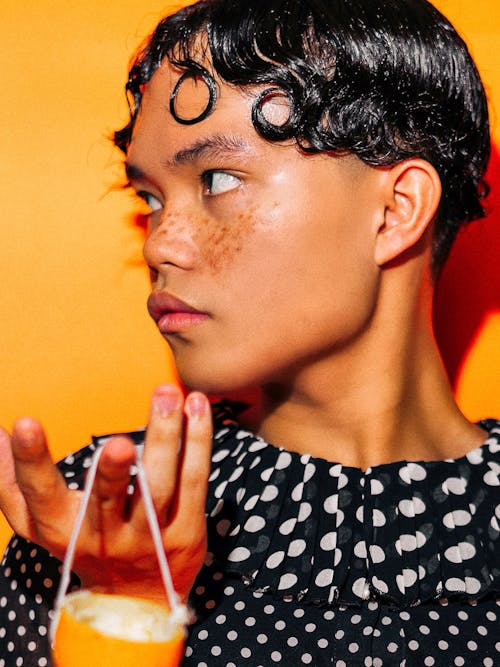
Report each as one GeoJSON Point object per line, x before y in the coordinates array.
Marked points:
{"type": "Point", "coordinates": [304, 528]}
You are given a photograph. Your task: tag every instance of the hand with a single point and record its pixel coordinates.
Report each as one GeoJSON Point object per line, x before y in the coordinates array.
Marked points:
{"type": "Point", "coordinates": [115, 550]}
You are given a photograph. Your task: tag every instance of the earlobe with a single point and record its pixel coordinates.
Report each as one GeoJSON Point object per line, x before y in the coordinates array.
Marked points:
{"type": "Point", "coordinates": [412, 200]}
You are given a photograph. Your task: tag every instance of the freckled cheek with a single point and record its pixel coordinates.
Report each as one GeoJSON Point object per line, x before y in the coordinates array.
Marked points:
{"type": "Point", "coordinates": [221, 240]}
{"type": "Point", "coordinates": [217, 239]}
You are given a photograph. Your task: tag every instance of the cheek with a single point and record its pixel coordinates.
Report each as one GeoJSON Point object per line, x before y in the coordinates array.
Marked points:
{"type": "Point", "coordinates": [220, 241]}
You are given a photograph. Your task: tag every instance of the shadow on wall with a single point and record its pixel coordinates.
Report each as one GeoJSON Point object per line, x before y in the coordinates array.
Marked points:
{"type": "Point", "coordinates": [469, 287]}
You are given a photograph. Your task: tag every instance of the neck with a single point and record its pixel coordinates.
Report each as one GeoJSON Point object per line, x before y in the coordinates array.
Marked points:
{"type": "Point", "coordinates": [384, 398]}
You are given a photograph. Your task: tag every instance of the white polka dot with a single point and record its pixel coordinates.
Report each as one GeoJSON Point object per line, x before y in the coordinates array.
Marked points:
{"type": "Point", "coordinates": [377, 554]}
{"type": "Point", "coordinates": [331, 504]}
{"type": "Point", "coordinates": [328, 541]}
{"type": "Point", "coordinates": [250, 503]}
{"type": "Point", "coordinates": [378, 518]}
{"type": "Point", "coordinates": [245, 652]}
{"type": "Point", "coordinates": [324, 577]}
{"type": "Point", "coordinates": [287, 581]}
{"type": "Point", "coordinates": [275, 560]}
{"type": "Point", "coordinates": [288, 526]}
{"type": "Point", "coordinates": [416, 472]}
{"type": "Point", "coordinates": [275, 656]}
{"type": "Point", "coordinates": [455, 485]}
{"type": "Point", "coordinates": [472, 585]}
{"type": "Point", "coordinates": [461, 552]}
{"type": "Point", "coordinates": [358, 587]}
{"type": "Point", "coordinates": [307, 658]}
{"type": "Point", "coordinates": [304, 512]}
{"type": "Point", "coordinates": [296, 548]}
{"type": "Point", "coordinates": [262, 639]}
{"type": "Point", "coordinates": [392, 647]}
{"type": "Point", "coordinates": [376, 487]}
{"type": "Point", "coordinates": [411, 508]}
{"type": "Point", "coordinates": [239, 554]}
{"type": "Point", "coordinates": [254, 524]}
{"type": "Point", "coordinates": [406, 579]}
{"type": "Point", "coordinates": [343, 480]}
{"type": "Point", "coordinates": [309, 471]}
{"type": "Point", "coordinates": [491, 478]}
{"type": "Point", "coordinates": [456, 518]}
{"type": "Point", "coordinates": [270, 493]}
{"type": "Point", "coordinates": [380, 585]}
{"type": "Point", "coordinates": [360, 549]}
{"type": "Point", "coordinates": [283, 461]}
{"type": "Point", "coordinates": [292, 641]}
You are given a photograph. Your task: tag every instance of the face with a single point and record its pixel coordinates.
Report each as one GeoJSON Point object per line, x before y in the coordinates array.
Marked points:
{"type": "Point", "coordinates": [261, 257]}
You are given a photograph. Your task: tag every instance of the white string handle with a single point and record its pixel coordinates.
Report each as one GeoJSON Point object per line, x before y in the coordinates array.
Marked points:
{"type": "Point", "coordinates": [177, 609]}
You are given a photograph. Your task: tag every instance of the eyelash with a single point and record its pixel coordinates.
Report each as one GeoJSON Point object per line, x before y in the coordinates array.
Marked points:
{"type": "Point", "coordinates": [212, 172]}
{"type": "Point", "coordinates": [144, 195]}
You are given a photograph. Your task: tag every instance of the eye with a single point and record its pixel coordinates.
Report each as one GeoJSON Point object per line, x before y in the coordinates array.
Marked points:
{"type": "Point", "coordinates": [218, 182]}
{"type": "Point", "coordinates": [152, 202]}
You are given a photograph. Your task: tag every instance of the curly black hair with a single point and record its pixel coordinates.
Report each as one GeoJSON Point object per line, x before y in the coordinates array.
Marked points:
{"type": "Point", "coordinates": [382, 79]}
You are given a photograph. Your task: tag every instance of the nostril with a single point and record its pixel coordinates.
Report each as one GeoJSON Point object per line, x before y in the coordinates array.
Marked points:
{"type": "Point", "coordinates": [153, 275]}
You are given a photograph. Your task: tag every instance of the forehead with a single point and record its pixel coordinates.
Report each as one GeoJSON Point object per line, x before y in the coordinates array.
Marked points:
{"type": "Point", "coordinates": [157, 131]}
{"type": "Point", "coordinates": [231, 114]}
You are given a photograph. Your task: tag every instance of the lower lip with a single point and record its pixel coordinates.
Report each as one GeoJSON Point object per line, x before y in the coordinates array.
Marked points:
{"type": "Point", "coordinates": [176, 322]}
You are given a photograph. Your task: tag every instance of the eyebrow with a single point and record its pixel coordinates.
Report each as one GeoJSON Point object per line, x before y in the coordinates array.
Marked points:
{"type": "Point", "coordinates": [218, 146]}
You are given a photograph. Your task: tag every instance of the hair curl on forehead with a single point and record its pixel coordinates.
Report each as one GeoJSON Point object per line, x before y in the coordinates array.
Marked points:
{"type": "Point", "coordinates": [385, 80]}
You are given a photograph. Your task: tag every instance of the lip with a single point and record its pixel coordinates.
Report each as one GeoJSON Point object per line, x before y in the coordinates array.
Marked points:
{"type": "Point", "coordinates": [172, 314]}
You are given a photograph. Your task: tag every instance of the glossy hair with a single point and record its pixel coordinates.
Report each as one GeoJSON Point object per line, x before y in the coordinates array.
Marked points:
{"type": "Point", "coordinates": [385, 80]}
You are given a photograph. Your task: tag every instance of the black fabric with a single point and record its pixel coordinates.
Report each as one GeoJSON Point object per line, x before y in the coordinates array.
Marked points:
{"type": "Point", "coordinates": [311, 562]}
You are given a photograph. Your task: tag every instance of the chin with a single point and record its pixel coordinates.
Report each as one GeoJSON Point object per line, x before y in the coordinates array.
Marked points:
{"type": "Point", "coordinates": [221, 382]}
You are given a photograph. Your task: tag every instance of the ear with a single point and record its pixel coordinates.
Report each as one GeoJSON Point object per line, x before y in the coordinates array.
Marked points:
{"type": "Point", "coordinates": [413, 192]}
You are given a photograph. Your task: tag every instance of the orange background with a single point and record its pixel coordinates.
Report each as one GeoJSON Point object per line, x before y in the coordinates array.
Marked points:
{"type": "Point", "coordinates": [77, 349]}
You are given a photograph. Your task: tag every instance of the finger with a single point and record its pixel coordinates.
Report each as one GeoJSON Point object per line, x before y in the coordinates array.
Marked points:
{"type": "Point", "coordinates": [195, 463]}
{"type": "Point", "coordinates": [12, 501]}
{"type": "Point", "coordinates": [107, 505]}
{"type": "Point", "coordinates": [161, 452]}
{"type": "Point", "coordinates": [41, 484]}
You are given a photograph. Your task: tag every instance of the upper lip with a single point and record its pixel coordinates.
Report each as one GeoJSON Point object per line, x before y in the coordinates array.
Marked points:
{"type": "Point", "coordinates": [161, 303]}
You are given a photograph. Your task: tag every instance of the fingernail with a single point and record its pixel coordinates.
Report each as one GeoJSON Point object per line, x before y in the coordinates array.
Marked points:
{"type": "Point", "coordinates": [196, 405]}
{"type": "Point", "coordinates": [166, 401]}
{"type": "Point", "coordinates": [24, 433]}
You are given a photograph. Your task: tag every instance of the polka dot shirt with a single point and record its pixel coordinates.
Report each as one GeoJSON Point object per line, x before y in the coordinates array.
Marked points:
{"type": "Point", "coordinates": [315, 563]}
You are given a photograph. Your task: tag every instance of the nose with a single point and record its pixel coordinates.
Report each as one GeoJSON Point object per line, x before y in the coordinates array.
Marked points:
{"type": "Point", "coordinates": [170, 243]}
